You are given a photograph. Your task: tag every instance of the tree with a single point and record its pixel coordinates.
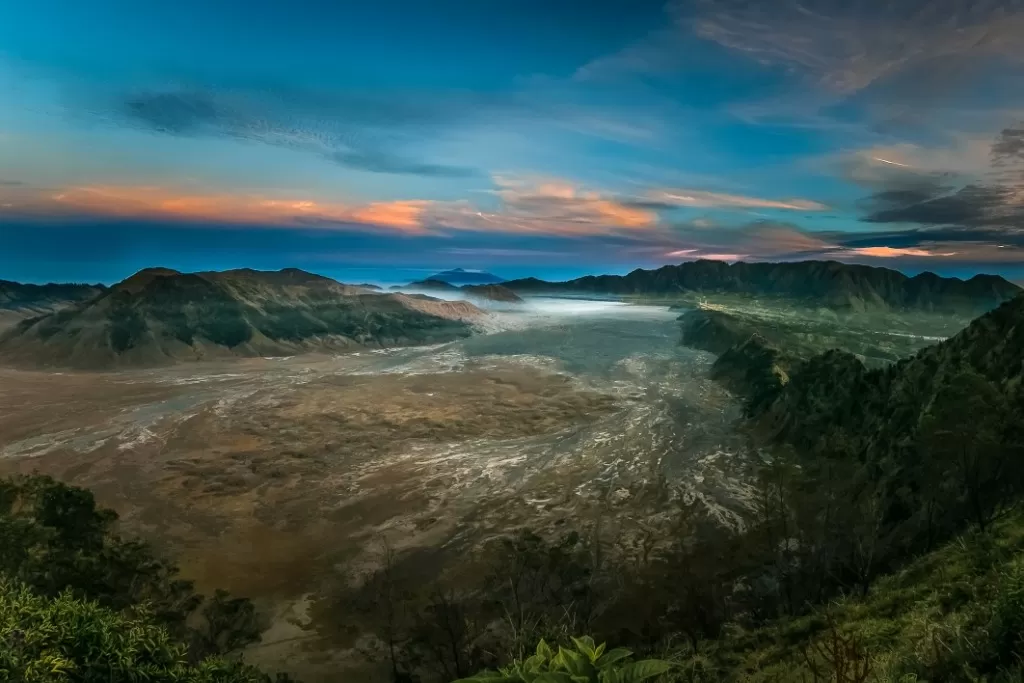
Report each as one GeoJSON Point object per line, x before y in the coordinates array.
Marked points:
{"type": "Point", "coordinates": [964, 432]}
{"type": "Point", "coordinates": [65, 639]}
{"type": "Point", "coordinates": [55, 539]}
{"type": "Point", "coordinates": [228, 624]}
{"type": "Point", "coordinates": [445, 631]}
{"type": "Point", "coordinates": [541, 587]}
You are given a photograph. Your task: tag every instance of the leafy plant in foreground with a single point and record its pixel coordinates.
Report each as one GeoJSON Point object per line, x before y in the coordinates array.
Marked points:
{"type": "Point", "coordinates": [586, 663]}
{"type": "Point", "coordinates": [69, 640]}
{"type": "Point", "coordinates": [55, 539]}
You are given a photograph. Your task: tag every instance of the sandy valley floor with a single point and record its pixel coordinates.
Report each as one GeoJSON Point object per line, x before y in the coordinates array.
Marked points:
{"type": "Point", "coordinates": [274, 478]}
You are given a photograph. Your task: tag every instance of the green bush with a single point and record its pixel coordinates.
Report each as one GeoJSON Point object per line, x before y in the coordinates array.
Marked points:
{"type": "Point", "coordinates": [1007, 628]}
{"type": "Point", "coordinates": [65, 640]}
{"type": "Point", "coordinates": [56, 540]}
{"type": "Point", "coordinates": [587, 663]}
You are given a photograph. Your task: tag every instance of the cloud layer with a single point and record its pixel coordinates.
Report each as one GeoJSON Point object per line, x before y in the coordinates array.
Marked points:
{"type": "Point", "coordinates": [846, 46]}
{"type": "Point", "coordinates": [362, 133]}
{"type": "Point", "coordinates": [634, 133]}
{"type": "Point", "coordinates": [551, 207]}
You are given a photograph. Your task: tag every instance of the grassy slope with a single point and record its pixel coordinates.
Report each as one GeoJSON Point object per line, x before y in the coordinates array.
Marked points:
{"type": "Point", "coordinates": [943, 617]}
{"type": "Point", "coordinates": [954, 614]}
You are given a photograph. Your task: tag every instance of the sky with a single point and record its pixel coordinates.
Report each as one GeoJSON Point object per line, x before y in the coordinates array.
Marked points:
{"type": "Point", "coordinates": [379, 141]}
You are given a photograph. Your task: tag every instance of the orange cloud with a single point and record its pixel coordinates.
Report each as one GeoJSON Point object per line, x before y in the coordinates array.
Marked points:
{"type": "Point", "coordinates": [400, 214]}
{"type": "Point", "coordinates": [694, 254]}
{"type": "Point", "coordinates": [895, 252]}
{"type": "Point", "coordinates": [623, 216]}
{"type": "Point", "coordinates": [550, 207]}
{"type": "Point", "coordinates": [126, 201]}
{"type": "Point", "coordinates": [560, 206]}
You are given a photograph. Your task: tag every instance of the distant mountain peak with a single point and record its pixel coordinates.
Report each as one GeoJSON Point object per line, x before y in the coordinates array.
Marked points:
{"type": "Point", "coordinates": [464, 276]}
{"type": "Point", "coordinates": [141, 279]}
{"type": "Point", "coordinates": [157, 270]}
{"type": "Point", "coordinates": [432, 283]}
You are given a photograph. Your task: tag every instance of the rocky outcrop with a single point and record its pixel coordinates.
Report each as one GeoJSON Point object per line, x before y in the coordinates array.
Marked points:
{"type": "Point", "coordinates": [714, 331]}
{"type": "Point", "coordinates": [449, 310]}
{"type": "Point", "coordinates": [754, 369]}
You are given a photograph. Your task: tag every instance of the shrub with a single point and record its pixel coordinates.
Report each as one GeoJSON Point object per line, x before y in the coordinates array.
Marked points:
{"type": "Point", "coordinates": [65, 639]}
{"type": "Point", "coordinates": [586, 663]}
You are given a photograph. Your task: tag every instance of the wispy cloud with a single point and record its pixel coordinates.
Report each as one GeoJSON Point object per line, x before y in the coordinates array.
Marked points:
{"type": "Point", "coordinates": [977, 183]}
{"type": "Point", "coordinates": [1009, 146]}
{"type": "Point", "coordinates": [704, 199]}
{"type": "Point", "coordinates": [197, 208]}
{"type": "Point", "coordinates": [361, 133]}
{"type": "Point", "coordinates": [549, 207]}
{"type": "Point", "coordinates": [772, 241]}
{"type": "Point", "coordinates": [846, 46]}
{"type": "Point", "coordinates": [906, 164]}
{"type": "Point", "coordinates": [897, 63]}
{"type": "Point", "coordinates": [546, 206]}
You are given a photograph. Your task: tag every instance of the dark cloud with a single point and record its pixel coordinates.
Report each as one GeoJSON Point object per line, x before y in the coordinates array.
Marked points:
{"type": "Point", "coordinates": [378, 161]}
{"type": "Point", "coordinates": [974, 205]}
{"type": "Point", "coordinates": [905, 196]}
{"type": "Point", "coordinates": [902, 190]}
{"type": "Point", "coordinates": [773, 241]}
{"type": "Point", "coordinates": [950, 236]}
{"type": "Point", "coordinates": [1009, 146]}
{"type": "Point", "coordinates": [868, 170]}
{"type": "Point", "coordinates": [178, 113]}
{"type": "Point", "coordinates": [359, 133]}
{"type": "Point", "coordinates": [11, 183]}
{"type": "Point", "coordinates": [992, 199]}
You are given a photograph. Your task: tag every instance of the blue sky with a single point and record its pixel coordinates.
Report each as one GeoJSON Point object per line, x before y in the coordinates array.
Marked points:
{"type": "Point", "coordinates": [380, 140]}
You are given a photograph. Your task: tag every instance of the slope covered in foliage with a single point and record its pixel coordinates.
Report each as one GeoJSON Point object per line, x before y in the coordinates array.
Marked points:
{"type": "Point", "coordinates": [953, 614]}
{"type": "Point", "coordinates": [962, 398]}
{"type": "Point", "coordinates": [80, 603]}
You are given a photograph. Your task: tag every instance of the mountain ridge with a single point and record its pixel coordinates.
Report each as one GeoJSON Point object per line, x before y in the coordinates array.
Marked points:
{"type": "Point", "coordinates": [19, 301]}
{"type": "Point", "coordinates": [16, 295]}
{"type": "Point", "coordinates": [830, 284]}
{"type": "Point", "coordinates": [158, 316]}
